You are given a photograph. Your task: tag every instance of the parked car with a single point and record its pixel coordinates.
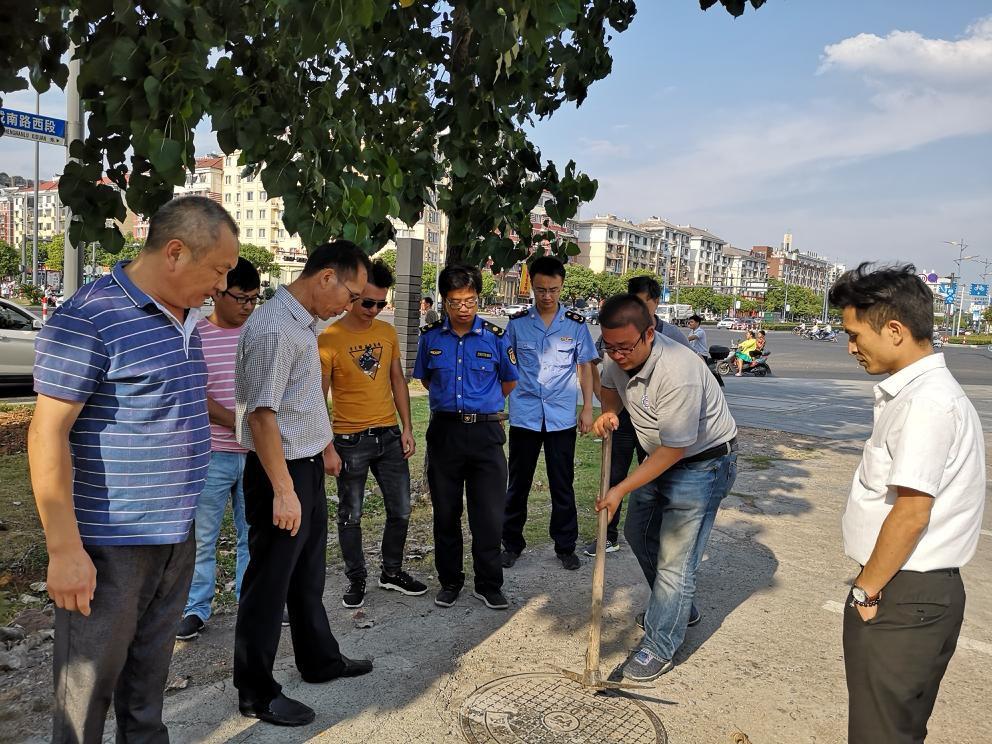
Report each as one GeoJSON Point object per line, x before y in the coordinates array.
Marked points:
{"type": "Point", "coordinates": [725, 323]}
{"type": "Point", "coordinates": [511, 310]}
{"type": "Point", "coordinates": [18, 329]}
{"type": "Point", "coordinates": [591, 314]}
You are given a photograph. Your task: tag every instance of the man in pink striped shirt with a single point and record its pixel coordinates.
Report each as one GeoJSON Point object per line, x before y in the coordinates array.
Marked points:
{"type": "Point", "coordinates": [219, 333]}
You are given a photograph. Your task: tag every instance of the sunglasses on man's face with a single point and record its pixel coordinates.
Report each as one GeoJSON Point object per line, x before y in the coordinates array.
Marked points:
{"type": "Point", "coordinates": [369, 304]}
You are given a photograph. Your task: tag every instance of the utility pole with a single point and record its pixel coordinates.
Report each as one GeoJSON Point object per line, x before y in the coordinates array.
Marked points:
{"type": "Point", "coordinates": [34, 245]}
{"type": "Point", "coordinates": [72, 268]}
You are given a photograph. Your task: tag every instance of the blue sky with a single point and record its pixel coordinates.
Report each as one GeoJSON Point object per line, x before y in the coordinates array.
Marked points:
{"type": "Point", "coordinates": [864, 128]}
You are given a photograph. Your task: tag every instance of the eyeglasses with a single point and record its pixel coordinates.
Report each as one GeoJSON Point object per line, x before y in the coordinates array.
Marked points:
{"type": "Point", "coordinates": [352, 295]}
{"type": "Point", "coordinates": [457, 304]}
{"type": "Point", "coordinates": [242, 299]}
{"type": "Point", "coordinates": [547, 292]}
{"type": "Point", "coordinates": [368, 304]}
{"type": "Point", "coordinates": [622, 351]}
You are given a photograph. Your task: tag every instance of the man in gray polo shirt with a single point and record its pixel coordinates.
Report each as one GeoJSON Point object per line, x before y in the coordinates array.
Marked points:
{"type": "Point", "coordinates": [281, 418]}
{"type": "Point", "coordinates": [683, 423]}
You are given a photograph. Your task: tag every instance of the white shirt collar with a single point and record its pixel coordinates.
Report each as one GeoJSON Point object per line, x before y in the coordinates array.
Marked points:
{"type": "Point", "coordinates": [893, 385]}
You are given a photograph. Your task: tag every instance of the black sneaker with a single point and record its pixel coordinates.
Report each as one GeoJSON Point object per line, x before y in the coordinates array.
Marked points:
{"type": "Point", "coordinates": [570, 561]}
{"type": "Point", "coordinates": [508, 558]}
{"type": "Point", "coordinates": [355, 596]}
{"type": "Point", "coordinates": [493, 599]}
{"type": "Point", "coordinates": [402, 582]}
{"type": "Point", "coordinates": [694, 617]}
{"type": "Point", "coordinates": [447, 596]}
{"type": "Point", "coordinates": [189, 628]}
{"type": "Point", "coordinates": [611, 547]}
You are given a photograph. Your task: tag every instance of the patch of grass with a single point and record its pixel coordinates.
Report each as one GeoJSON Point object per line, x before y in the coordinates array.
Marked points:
{"type": "Point", "coordinates": [14, 407]}
{"type": "Point", "coordinates": [23, 559]}
{"type": "Point", "coordinates": [762, 462]}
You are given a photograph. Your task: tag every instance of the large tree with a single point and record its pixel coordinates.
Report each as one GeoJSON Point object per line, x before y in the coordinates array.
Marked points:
{"type": "Point", "coordinates": [350, 111]}
{"type": "Point", "coordinates": [10, 260]}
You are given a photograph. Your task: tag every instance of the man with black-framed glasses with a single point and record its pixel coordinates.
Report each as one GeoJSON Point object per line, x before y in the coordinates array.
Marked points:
{"type": "Point", "coordinates": [360, 365]}
{"type": "Point", "coordinates": [225, 475]}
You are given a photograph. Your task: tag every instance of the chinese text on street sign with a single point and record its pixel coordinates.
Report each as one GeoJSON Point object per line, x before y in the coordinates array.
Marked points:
{"type": "Point", "coordinates": [34, 127]}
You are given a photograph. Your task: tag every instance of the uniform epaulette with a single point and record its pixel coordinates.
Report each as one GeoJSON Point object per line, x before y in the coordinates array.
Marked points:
{"type": "Point", "coordinates": [519, 314]}
{"type": "Point", "coordinates": [572, 315]}
{"type": "Point", "coordinates": [493, 328]}
{"type": "Point", "coordinates": [431, 326]}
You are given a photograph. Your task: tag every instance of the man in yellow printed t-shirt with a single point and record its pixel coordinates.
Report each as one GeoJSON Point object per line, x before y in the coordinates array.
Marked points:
{"type": "Point", "coordinates": [360, 365]}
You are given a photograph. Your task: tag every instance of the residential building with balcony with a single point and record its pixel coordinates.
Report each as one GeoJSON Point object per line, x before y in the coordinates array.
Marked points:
{"type": "Point", "coordinates": [609, 243]}
{"type": "Point", "coordinates": [707, 265]}
{"type": "Point", "coordinates": [798, 268]}
{"type": "Point", "coordinates": [746, 273]}
{"type": "Point", "coordinates": [675, 244]}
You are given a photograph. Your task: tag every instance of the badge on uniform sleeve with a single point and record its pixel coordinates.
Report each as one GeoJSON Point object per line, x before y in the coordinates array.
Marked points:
{"type": "Point", "coordinates": [645, 403]}
{"type": "Point", "coordinates": [512, 354]}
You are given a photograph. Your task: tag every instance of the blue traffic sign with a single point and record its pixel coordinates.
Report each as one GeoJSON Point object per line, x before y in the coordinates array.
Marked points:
{"type": "Point", "coordinates": [979, 290]}
{"type": "Point", "coordinates": [34, 127]}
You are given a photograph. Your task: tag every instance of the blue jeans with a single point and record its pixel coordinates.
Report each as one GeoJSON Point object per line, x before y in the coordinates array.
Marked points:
{"type": "Point", "coordinates": [668, 523]}
{"type": "Point", "coordinates": [382, 453]}
{"type": "Point", "coordinates": [225, 482]}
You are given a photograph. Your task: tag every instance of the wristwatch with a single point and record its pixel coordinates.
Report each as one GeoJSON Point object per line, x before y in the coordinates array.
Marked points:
{"type": "Point", "coordinates": [860, 597]}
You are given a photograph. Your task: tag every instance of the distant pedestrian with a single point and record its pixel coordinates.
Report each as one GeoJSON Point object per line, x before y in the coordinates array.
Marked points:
{"type": "Point", "coordinates": [468, 367]}
{"type": "Point", "coordinates": [554, 350]}
{"type": "Point", "coordinates": [914, 514]}
{"type": "Point", "coordinates": [697, 336]}
{"type": "Point", "coordinates": [281, 418]}
{"type": "Point", "coordinates": [428, 311]}
{"type": "Point", "coordinates": [225, 476]}
{"type": "Point", "coordinates": [119, 447]}
{"type": "Point", "coordinates": [683, 423]}
{"type": "Point", "coordinates": [360, 365]}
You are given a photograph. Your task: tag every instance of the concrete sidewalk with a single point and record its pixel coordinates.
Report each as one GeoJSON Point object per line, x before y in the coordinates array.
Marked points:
{"type": "Point", "coordinates": [766, 657]}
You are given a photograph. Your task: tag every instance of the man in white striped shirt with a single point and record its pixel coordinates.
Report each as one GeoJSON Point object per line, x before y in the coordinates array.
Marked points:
{"type": "Point", "coordinates": [225, 477]}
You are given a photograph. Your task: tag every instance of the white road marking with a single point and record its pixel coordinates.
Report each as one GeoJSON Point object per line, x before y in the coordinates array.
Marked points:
{"type": "Point", "coordinates": [968, 643]}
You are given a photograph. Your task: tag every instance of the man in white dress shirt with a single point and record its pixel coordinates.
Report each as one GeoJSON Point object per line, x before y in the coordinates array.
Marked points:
{"type": "Point", "coordinates": [914, 514]}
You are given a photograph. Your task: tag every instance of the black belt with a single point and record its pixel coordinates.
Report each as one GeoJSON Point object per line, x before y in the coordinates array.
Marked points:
{"type": "Point", "coordinates": [373, 431]}
{"type": "Point", "coordinates": [468, 418]}
{"type": "Point", "coordinates": [719, 451]}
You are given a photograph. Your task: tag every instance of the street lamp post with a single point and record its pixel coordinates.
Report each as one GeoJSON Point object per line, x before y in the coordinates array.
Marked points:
{"type": "Point", "coordinates": [962, 246]}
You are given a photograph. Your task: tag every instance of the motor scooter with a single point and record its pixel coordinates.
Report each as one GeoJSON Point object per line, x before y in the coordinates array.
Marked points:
{"type": "Point", "coordinates": [757, 367]}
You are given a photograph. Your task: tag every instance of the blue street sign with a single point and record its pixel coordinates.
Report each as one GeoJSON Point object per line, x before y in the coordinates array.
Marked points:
{"type": "Point", "coordinates": [34, 127]}
{"type": "Point", "coordinates": [979, 290]}
{"type": "Point", "coordinates": [668, 295]}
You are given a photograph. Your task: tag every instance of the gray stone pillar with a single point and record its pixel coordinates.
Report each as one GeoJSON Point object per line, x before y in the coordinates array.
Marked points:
{"type": "Point", "coordinates": [406, 298]}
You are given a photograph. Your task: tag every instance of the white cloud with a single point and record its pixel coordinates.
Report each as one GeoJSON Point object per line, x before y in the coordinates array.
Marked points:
{"type": "Point", "coordinates": [603, 148]}
{"type": "Point", "coordinates": [909, 54]}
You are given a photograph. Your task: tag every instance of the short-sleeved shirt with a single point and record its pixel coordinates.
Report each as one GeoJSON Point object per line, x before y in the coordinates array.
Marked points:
{"type": "Point", "coordinates": [699, 344]}
{"type": "Point", "coordinates": [661, 328]}
{"type": "Point", "coordinates": [927, 436]}
{"type": "Point", "coordinates": [279, 368]}
{"type": "Point", "coordinates": [141, 443]}
{"type": "Point", "coordinates": [220, 351]}
{"type": "Point", "coordinates": [673, 400]}
{"type": "Point", "coordinates": [547, 358]}
{"type": "Point", "coordinates": [358, 365]}
{"type": "Point", "coordinates": [464, 374]}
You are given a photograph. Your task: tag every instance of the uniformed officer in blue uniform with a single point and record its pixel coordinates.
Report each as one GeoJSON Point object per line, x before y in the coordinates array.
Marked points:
{"type": "Point", "coordinates": [552, 344]}
{"type": "Point", "coordinates": [468, 366]}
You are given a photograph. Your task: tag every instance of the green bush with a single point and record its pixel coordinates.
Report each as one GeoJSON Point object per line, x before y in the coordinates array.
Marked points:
{"type": "Point", "coordinates": [973, 340]}
{"type": "Point", "coordinates": [31, 293]}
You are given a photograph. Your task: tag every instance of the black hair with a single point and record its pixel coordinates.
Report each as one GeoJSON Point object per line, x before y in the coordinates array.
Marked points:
{"type": "Point", "coordinates": [341, 255]}
{"type": "Point", "coordinates": [429, 300]}
{"type": "Point", "coordinates": [195, 220]}
{"type": "Point", "coordinates": [459, 276]}
{"type": "Point", "coordinates": [644, 285]}
{"type": "Point", "coordinates": [547, 266]}
{"type": "Point", "coordinates": [762, 332]}
{"type": "Point", "coordinates": [696, 318]}
{"type": "Point", "coordinates": [623, 310]}
{"type": "Point", "coordinates": [884, 293]}
{"type": "Point", "coordinates": [244, 275]}
{"type": "Point", "coordinates": [381, 275]}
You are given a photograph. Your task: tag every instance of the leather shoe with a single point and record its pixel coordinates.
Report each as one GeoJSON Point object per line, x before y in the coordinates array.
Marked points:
{"type": "Point", "coordinates": [279, 711]}
{"type": "Point", "coordinates": [352, 668]}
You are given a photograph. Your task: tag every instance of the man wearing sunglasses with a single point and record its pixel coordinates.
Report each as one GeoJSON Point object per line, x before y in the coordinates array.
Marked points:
{"type": "Point", "coordinates": [683, 423]}
{"type": "Point", "coordinates": [360, 365]}
{"type": "Point", "coordinates": [225, 482]}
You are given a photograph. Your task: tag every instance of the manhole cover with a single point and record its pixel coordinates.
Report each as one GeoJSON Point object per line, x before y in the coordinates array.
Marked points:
{"type": "Point", "coordinates": [541, 708]}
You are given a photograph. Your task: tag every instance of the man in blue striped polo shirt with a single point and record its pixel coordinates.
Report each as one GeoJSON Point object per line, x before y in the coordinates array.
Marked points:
{"type": "Point", "coordinates": [119, 447]}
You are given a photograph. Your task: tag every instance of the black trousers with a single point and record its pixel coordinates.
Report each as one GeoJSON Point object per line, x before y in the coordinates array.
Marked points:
{"type": "Point", "coordinates": [124, 647]}
{"type": "Point", "coordinates": [896, 660]}
{"type": "Point", "coordinates": [469, 459]}
{"type": "Point", "coordinates": [624, 445]}
{"type": "Point", "coordinates": [283, 571]}
{"type": "Point", "coordinates": [559, 457]}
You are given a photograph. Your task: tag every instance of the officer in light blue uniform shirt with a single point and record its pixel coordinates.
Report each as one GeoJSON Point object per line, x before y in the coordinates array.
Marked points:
{"type": "Point", "coordinates": [551, 344]}
{"type": "Point", "coordinates": [468, 367]}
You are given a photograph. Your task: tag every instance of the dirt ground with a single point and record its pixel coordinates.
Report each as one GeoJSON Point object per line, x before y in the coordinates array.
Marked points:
{"type": "Point", "coordinates": [766, 658]}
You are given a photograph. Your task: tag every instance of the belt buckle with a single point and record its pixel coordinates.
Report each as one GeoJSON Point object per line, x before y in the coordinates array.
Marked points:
{"type": "Point", "coordinates": [469, 418]}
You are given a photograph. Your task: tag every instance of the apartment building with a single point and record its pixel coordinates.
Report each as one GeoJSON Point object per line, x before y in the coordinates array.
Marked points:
{"type": "Point", "coordinates": [707, 264]}
{"type": "Point", "coordinates": [796, 267]}
{"type": "Point", "coordinates": [609, 243]}
{"type": "Point", "coordinates": [746, 273]}
{"type": "Point", "coordinates": [675, 245]}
